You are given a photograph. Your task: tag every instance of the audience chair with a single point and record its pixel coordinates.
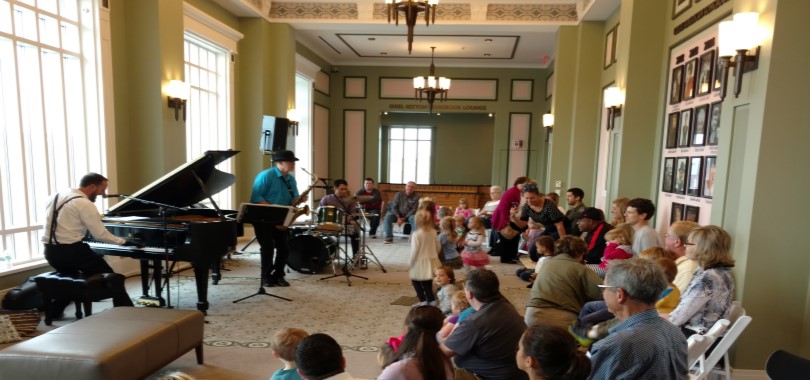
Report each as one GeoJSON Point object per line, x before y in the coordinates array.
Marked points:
{"type": "Point", "coordinates": [720, 351]}
{"type": "Point", "coordinates": [783, 365]}
{"type": "Point", "coordinates": [699, 344]}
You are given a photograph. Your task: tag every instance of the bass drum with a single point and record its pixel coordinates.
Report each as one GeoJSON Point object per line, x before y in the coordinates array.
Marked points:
{"type": "Point", "coordinates": [311, 253]}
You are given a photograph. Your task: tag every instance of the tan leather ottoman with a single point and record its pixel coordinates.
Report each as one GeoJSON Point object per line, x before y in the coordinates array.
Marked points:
{"type": "Point", "coordinates": [120, 343]}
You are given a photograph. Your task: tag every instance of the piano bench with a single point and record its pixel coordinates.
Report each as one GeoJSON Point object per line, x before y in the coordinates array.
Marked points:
{"type": "Point", "coordinates": [119, 343]}
{"type": "Point", "coordinates": [81, 291]}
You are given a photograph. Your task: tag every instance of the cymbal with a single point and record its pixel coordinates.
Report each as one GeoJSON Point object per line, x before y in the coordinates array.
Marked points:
{"type": "Point", "coordinates": [359, 199]}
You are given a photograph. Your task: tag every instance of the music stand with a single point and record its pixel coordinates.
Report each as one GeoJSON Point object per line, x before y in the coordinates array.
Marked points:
{"type": "Point", "coordinates": [263, 214]}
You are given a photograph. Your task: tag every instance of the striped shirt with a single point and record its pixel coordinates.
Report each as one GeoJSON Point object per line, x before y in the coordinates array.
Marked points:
{"type": "Point", "coordinates": [644, 346]}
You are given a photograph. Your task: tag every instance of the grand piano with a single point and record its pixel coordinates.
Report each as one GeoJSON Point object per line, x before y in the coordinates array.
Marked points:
{"type": "Point", "coordinates": [164, 219]}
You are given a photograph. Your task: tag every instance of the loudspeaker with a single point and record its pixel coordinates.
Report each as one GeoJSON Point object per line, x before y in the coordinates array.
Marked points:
{"type": "Point", "coordinates": [274, 134]}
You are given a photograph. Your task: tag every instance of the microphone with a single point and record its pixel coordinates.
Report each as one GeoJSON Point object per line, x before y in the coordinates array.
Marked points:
{"type": "Point", "coordinates": [115, 195]}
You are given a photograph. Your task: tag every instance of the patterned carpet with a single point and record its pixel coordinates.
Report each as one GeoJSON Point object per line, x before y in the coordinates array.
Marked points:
{"type": "Point", "coordinates": [360, 317]}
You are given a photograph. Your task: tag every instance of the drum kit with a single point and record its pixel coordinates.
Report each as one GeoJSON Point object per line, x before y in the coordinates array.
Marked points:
{"type": "Point", "coordinates": [316, 245]}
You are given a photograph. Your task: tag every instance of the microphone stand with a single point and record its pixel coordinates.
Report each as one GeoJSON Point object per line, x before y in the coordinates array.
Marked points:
{"type": "Point", "coordinates": [163, 211]}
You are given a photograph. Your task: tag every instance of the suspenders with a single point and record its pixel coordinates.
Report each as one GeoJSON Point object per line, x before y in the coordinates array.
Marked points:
{"type": "Point", "coordinates": [52, 238]}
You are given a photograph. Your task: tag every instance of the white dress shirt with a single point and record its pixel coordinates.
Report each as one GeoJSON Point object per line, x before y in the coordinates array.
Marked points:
{"type": "Point", "coordinates": [75, 219]}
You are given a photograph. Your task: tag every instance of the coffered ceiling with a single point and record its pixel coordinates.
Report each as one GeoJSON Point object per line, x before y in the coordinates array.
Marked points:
{"type": "Point", "coordinates": [472, 33]}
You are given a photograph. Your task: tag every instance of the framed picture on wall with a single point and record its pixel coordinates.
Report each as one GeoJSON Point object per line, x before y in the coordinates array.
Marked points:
{"type": "Point", "coordinates": [669, 173]}
{"type": "Point", "coordinates": [695, 176]}
{"type": "Point", "coordinates": [692, 213]}
{"type": "Point", "coordinates": [705, 73]}
{"type": "Point", "coordinates": [549, 85]}
{"type": "Point", "coordinates": [679, 6]}
{"type": "Point", "coordinates": [610, 47]}
{"type": "Point", "coordinates": [681, 164]}
{"type": "Point", "coordinates": [709, 169]}
{"type": "Point", "coordinates": [685, 128]}
{"type": "Point", "coordinates": [718, 76]}
{"type": "Point", "coordinates": [714, 123]}
{"type": "Point", "coordinates": [676, 213]}
{"type": "Point", "coordinates": [672, 130]}
{"type": "Point", "coordinates": [699, 125]}
{"type": "Point", "coordinates": [676, 85]}
{"type": "Point", "coordinates": [689, 79]}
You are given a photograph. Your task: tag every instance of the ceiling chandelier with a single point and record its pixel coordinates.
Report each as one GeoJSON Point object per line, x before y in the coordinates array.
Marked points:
{"type": "Point", "coordinates": [431, 86]}
{"type": "Point", "coordinates": [411, 9]}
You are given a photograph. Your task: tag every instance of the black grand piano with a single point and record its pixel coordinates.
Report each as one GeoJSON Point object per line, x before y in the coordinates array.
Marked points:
{"type": "Point", "coordinates": [161, 217]}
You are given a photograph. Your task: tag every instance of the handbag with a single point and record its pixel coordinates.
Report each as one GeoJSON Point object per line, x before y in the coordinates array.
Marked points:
{"type": "Point", "coordinates": [510, 231]}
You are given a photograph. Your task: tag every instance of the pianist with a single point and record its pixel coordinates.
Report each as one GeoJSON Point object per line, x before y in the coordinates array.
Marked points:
{"type": "Point", "coordinates": [275, 186]}
{"type": "Point", "coordinates": [69, 215]}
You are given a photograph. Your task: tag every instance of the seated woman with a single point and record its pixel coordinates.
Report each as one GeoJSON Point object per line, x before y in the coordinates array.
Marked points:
{"type": "Point", "coordinates": [711, 291]}
{"type": "Point", "coordinates": [419, 355]}
{"type": "Point", "coordinates": [562, 286]}
{"type": "Point", "coordinates": [540, 211]}
{"type": "Point", "coordinates": [548, 352]}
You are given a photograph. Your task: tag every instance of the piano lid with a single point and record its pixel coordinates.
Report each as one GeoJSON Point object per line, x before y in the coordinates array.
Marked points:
{"type": "Point", "coordinates": [180, 188]}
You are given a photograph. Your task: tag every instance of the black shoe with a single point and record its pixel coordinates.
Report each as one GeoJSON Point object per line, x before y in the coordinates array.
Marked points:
{"type": "Point", "coordinates": [282, 282]}
{"type": "Point", "coordinates": [269, 283]}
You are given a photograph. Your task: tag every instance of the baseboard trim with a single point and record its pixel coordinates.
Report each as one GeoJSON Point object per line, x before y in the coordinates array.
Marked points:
{"type": "Point", "coordinates": [748, 374]}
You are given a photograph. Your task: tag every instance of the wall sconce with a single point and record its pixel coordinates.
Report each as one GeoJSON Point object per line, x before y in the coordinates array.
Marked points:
{"type": "Point", "coordinates": [548, 123]}
{"type": "Point", "coordinates": [613, 99]}
{"type": "Point", "coordinates": [737, 38]}
{"type": "Point", "coordinates": [294, 116]}
{"type": "Point", "coordinates": [178, 92]}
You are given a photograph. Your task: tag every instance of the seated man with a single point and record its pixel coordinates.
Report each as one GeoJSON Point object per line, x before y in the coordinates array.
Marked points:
{"type": "Point", "coordinates": [400, 210]}
{"type": "Point", "coordinates": [319, 356]}
{"type": "Point", "coordinates": [643, 345]}
{"type": "Point", "coordinates": [485, 343]}
{"type": "Point", "coordinates": [343, 201]}
{"type": "Point", "coordinates": [592, 221]}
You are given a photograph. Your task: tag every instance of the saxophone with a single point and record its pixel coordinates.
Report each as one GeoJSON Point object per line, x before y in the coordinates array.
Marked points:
{"type": "Point", "coordinates": [301, 210]}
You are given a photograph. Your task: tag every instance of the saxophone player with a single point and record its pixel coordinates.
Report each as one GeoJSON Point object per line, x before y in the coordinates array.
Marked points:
{"type": "Point", "coordinates": [275, 186]}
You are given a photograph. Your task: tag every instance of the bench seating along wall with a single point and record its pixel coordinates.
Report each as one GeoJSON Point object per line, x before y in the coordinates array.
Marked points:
{"type": "Point", "coordinates": [119, 343]}
{"type": "Point", "coordinates": [446, 195]}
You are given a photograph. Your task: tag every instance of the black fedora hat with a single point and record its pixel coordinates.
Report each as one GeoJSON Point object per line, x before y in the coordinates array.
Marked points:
{"type": "Point", "coordinates": [284, 155]}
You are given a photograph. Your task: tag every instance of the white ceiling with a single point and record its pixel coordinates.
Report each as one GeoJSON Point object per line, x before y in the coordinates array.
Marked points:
{"type": "Point", "coordinates": [367, 40]}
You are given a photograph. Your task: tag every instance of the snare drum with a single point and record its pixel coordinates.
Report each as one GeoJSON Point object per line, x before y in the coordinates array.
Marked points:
{"type": "Point", "coordinates": [330, 219]}
{"type": "Point", "coordinates": [311, 253]}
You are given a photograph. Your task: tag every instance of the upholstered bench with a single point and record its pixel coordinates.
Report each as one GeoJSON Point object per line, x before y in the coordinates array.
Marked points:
{"type": "Point", "coordinates": [82, 291]}
{"type": "Point", "coordinates": [119, 343]}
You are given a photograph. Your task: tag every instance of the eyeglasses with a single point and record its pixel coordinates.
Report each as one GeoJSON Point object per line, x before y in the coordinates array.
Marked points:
{"type": "Point", "coordinates": [602, 288]}
{"type": "Point", "coordinates": [688, 243]}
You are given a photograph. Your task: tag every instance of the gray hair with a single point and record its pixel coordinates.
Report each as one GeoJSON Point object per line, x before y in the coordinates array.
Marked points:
{"type": "Point", "coordinates": [496, 189]}
{"type": "Point", "coordinates": [641, 279]}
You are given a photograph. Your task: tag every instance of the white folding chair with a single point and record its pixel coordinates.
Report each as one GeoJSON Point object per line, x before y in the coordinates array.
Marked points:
{"type": "Point", "coordinates": [698, 345]}
{"type": "Point", "coordinates": [720, 351]}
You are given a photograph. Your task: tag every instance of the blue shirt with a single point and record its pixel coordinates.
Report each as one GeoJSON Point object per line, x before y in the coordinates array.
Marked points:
{"type": "Point", "coordinates": [286, 374]}
{"type": "Point", "coordinates": [270, 186]}
{"type": "Point", "coordinates": [644, 346]}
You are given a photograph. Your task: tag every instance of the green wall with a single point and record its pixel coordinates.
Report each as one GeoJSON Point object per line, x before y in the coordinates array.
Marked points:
{"type": "Point", "coordinates": [374, 107]}
{"type": "Point", "coordinates": [462, 150]}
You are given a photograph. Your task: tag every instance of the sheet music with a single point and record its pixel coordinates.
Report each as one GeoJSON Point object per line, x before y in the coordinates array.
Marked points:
{"type": "Point", "coordinates": [289, 211]}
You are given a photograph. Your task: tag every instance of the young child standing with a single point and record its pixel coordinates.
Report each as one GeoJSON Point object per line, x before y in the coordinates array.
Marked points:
{"type": "Point", "coordinates": [446, 280]}
{"type": "Point", "coordinates": [449, 240]}
{"type": "Point", "coordinates": [473, 255]}
{"type": "Point", "coordinates": [424, 258]}
{"type": "Point", "coordinates": [283, 345]}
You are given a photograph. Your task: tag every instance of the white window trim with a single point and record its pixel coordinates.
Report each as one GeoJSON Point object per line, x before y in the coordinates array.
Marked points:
{"type": "Point", "coordinates": [200, 23]}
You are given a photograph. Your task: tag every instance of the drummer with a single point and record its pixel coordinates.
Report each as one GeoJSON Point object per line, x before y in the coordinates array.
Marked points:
{"type": "Point", "coordinates": [343, 201]}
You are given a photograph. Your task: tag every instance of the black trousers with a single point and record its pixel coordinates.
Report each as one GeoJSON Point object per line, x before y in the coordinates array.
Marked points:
{"type": "Point", "coordinates": [272, 240]}
{"type": "Point", "coordinates": [424, 290]}
{"type": "Point", "coordinates": [79, 259]}
{"type": "Point", "coordinates": [508, 249]}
